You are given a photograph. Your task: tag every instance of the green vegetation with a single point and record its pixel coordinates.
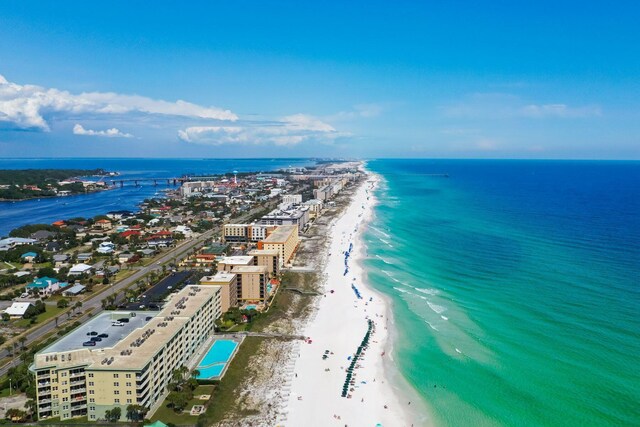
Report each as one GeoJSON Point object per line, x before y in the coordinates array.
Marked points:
{"type": "Point", "coordinates": [113, 415]}
{"type": "Point", "coordinates": [30, 183]}
{"type": "Point", "coordinates": [224, 395]}
{"type": "Point", "coordinates": [181, 388]}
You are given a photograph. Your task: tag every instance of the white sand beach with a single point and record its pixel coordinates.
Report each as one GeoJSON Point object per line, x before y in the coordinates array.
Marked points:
{"type": "Point", "coordinates": [339, 327]}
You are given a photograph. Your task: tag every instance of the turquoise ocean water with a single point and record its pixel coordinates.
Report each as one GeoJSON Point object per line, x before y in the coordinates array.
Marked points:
{"type": "Point", "coordinates": [515, 288]}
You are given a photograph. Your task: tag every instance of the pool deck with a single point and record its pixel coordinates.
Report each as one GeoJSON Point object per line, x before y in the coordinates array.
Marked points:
{"type": "Point", "coordinates": [202, 354]}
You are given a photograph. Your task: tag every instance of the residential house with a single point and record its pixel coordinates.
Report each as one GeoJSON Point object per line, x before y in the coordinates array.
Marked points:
{"type": "Point", "coordinates": [84, 257]}
{"type": "Point", "coordinates": [161, 239]}
{"type": "Point", "coordinates": [102, 224]}
{"type": "Point", "coordinates": [43, 286]}
{"type": "Point", "coordinates": [106, 248]}
{"type": "Point", "coordinates": [28, 257]}
{"type": "Point", "coordinates": [130, 234]}
{"type": "Point", "coordinates": [61, 260]}
{"type": "Point", "coordinates": [53, 247]}
{"type": "Point", "coordinates": [42, 235]}
{"type": "Point", "coordinates": [80, 269]}
{"type": "Point", "coordinates": [74, 290]}
{"type": "Point", "coordinates": [12, 242]}
{"type": "Point", "coordinates": [17, 309]}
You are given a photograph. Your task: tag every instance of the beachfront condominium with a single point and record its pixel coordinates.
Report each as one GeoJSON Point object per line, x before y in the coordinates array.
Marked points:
{"type": "Point", "coordinates": [269, 258]}
{"type": "Point", "coordinates": [284, 240]}
{"type": "Point", "coordinates": [227, 263]}
{"type": "Point", "coordinates": [252, 282]}
{"type": "Point", "coordinates": [122, 358]}
{"type": "Point", "coordinates": [229, 288]}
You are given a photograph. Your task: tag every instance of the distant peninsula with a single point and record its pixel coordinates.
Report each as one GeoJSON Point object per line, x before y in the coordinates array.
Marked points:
{"type": "Point", "coordinates": [24, 184]}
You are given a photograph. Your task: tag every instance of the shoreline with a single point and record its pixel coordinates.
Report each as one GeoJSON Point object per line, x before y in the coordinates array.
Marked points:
{"type": "Point", "coordinates": [377, 395]}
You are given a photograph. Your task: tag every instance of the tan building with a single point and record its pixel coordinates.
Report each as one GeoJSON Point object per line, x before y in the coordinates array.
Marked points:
{"type": "Point", "coordinates": [130, 361]}
{"type": "Point", "coordinates": [285, 240]}
{"type": "Point", "coordinates": [229, 284]}
{"type": "Point", "coordinates": [227, 263]}
{"type": "Point", "coordinates": [267, 258]}
{"type": "Point", "coordinates": [236, 233]}
{"type": "Point", "coordinates": [252, 282]}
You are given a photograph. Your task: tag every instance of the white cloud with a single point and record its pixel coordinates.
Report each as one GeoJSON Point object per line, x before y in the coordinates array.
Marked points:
{"type": "Point", "coordinates": [28, 106]}
{"type": "Point", "coordinates": [78, 129]}
{"type": "Point", "coordinates": [290, 130]}
{"type": "Point", "coordinates": [505, 106]}
{"type": "Point", "coordinates": [559, 110]}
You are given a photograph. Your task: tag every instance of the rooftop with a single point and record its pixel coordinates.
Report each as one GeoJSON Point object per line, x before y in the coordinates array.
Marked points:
{"type": "Point", "coordinates": [220, 277]}
{"type": "Point", "coordinates": [249, 269]}
{"type": "Point", "coordinates": [281, 234]}
{"type": "Point", "coordinates": [263, 252]}
{"type": "Point", "coordinates": [237, 260]}
{"type": "Point", "coordinates": [128, 346]}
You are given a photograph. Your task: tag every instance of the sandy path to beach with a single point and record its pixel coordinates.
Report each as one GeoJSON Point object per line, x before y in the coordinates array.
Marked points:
{"type": "Point", "coordinates": [339, 326]}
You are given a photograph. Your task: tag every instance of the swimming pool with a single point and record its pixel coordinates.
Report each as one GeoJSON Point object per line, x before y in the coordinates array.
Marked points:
{"type": "Point", "coordinates": [250, 307]}
{"type": "Point", "coordinates": [214, 362]}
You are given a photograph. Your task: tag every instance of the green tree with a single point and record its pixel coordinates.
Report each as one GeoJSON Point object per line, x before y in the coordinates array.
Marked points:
{"type": "Point", "coordinates": [46, 271]}
{"type": "Point", "coordinates": [178, 400]}
{"type": "Point", "coordinates": [63, 303]}
{"type": "Point", "coordinates": [136, 413]}
{"type": "Point", "coordinates": [113, 415]}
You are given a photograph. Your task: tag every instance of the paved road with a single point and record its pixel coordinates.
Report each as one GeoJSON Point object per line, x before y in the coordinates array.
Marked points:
{"type": "Point", "coordinates": [95, 302]}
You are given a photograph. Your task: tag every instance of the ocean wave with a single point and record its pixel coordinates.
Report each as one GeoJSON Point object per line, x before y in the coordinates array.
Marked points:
{"type": "Point", "coordinates": [444, 317]}
{"type": "Point", "coordinates": [428, 291]}
{"type": "Point", "coordinates": [437, 308]}
{"type": "Point", "coordinates": [386, 242]}
{"type": "Point", "coordinates": [384, 260]}
{"type": "Point", "coordinates": [387, 273]}
{"type": "Point", "coordinates": [404, 291]}
{"type": "Point", "coordinates": [380, 231]}
{"type": "Point", "coordinates": [431, 326]}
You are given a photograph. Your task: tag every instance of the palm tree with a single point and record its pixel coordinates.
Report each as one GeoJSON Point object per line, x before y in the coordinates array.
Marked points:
{"type": "Point", "coordinates": [77, 305]}
{"type": "Point", "coordinates": [22, 341]}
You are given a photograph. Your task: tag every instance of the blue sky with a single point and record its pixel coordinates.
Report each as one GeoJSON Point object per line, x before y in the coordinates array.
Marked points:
{"type": "Point", "coordinates": [286, 79]}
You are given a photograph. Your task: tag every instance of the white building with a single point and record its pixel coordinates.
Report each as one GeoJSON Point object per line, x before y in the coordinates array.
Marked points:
{"type": "Point", "coordinates": [79, 269]}
{"type": "Point", "coordinates": [292, 199]}
{"type": "Point", "coordinates": [106, 248]}
{"type": "Point", "coordinates": [17, 309]}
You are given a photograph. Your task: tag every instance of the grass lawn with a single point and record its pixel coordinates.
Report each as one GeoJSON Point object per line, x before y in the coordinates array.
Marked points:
{"type": "Point", "coordinates": [225, 394]}
{"type": "Point", "coordinates": [52, 311]}
{"type": "Point", "coordinates": [168, 415]}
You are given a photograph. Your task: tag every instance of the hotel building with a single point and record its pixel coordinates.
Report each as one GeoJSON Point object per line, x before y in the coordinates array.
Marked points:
{"type": "Point", "coordinates": [132, 360]}
{"type": "Point", "coordinates": [252, 282]}
{"type": "Point", "coordinates": [229, 284]}
{"type": "Point", "coordinates": [267, 258]}
{"type": "Point", "coordinates": [227, 263]}
{"type": "Point", "coordinates": [284, 240]}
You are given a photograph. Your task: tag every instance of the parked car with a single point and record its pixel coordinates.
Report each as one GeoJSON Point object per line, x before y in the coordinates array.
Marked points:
{"type": "Point", "coordinates": [116, 323]}
{"type": "Point", "coordinates": [95, 339]}
{"type": "Point", "coordinates": [92, 333]}
{"type": "Point", "coordinates": [89, 343]}
{"type": "Point", "coordinates": [103, 335]}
